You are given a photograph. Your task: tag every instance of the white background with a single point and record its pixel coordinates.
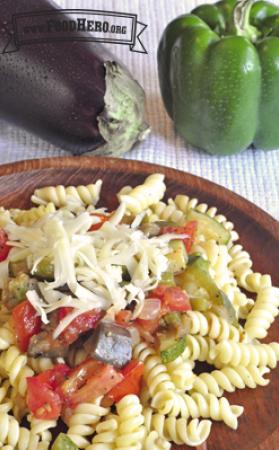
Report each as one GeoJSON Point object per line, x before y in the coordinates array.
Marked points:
{"type": "Point", "coordinates": [253, 174]}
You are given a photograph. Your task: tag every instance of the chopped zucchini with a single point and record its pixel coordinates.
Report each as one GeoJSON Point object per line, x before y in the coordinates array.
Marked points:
{"type": "Point", "coordinates": [197, 273]}
{"type": "Point", "coordinates": [176, 349]}
{"type": "Point", "coordinates": [200, 304]}
{"type": "Point", "coordinates": [63, 442]}
{"type": "Point", "coordinates": [178, 257]}
{"type": "Point", "coordinates": [44, 270]}
{"type": "Point", "coordinates": [15, 289]}
{"type": "Point", "coordinates": [167, 278]}
{"type": "Point", "coordinates": [17, 267]}
{"type": "Point", "coordinates": [209, 227]}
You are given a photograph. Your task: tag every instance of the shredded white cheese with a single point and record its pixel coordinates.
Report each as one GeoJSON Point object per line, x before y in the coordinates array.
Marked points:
{"type": "Point", "coordinates": [93, 265]}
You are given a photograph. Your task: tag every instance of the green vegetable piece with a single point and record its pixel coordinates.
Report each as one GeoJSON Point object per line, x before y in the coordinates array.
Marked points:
{"type": "Point", "coordinates": [15, 289]}
{"type": "Point", "coordinates": [44, 270]}
{"type": "Point", "coordinates": [178, 257]}
{"type": "Point", "coordinates": [173, 318]}
{"type": "Point", "coordinates": [171, 353]}
{"type": "Point", "coordinates": [197, 274]}
{"type": "Point", "coordinates": [209, 227]}
{"type": "Point", "coordinates": [167, 279]}
{"type": "Point", "coordinates": [200, 304]}
{"type": "Point", "coordinates": [219, 75]}
{"type": "Point", "coordinates": [63, 442]}
{"type": "Point", "coordinates": [17, 267]}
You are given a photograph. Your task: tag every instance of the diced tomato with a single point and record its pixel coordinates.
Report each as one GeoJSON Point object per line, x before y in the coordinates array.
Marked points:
{"type": "Point", "coordinates": [123, 317]}
{"type": "Point", "coordinates": [175, 299]}
{"type": "Point", "coordinates": [103, 218]}
{"type": "Point", "coordinates": [189, 228]}
{"type": "Point", "coordinates": [84, 322]}
{"type": "Point", "coordinates": [147, 326]}
{"type": "Point", "coordinates": [26, 323]}
{"type": "Point", "coordinates": [4, 247]}
{"type": "Point", "coordinates": [42, 401]}
{"type": "Point", "coordinates": [159, 291]}
{"type": "Point", "coordinates": [133, 373]}
{"type": "Point", "coordinates": [89, 380]}
{"type": "Point", "coordinates": [55, 376]}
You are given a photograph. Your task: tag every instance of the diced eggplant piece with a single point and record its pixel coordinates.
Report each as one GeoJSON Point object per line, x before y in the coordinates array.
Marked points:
{"type": "Point", "coordinates": [43, 344]}
{"type": "Point", "coordinates": [73, 94]}
{"type": "Point", "coordinates": [111, 344]}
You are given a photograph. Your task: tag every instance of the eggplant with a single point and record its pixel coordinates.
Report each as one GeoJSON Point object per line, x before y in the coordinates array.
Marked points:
{"type": "Point", "coordinates": [73, 94]}
{"type": "Point", "coordinates": [110, 343]}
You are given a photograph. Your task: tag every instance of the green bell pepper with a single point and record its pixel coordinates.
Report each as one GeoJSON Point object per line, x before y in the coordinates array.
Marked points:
{"type": "Point", "coordinates": [219, 75]}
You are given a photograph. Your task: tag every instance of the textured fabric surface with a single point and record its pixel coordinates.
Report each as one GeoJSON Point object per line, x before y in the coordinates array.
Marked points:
{"type": "Point", "coordinates": [252, 174]}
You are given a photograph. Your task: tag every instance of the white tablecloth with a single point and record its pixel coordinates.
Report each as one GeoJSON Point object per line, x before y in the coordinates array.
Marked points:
{"type": "Point", "coordinates": [253, 174]}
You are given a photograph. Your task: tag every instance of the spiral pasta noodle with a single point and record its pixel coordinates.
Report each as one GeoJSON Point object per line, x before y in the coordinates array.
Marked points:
{"type": "Point", "coordinates": [199, 348]}
{"type": "Point", "coordinates": [181, 373]}
{"type": "Point", "coordinates": [40, 364]}
{"type": "Point", "coordinates": [155, 372]}
{"type": "Point", "coordinates": [106, 434]}
{"type": "Point", "coordinates": [241, 354]}
{"type": "Point", "coordinates": [230, 378]}
{"type": "Point", "coordinates": [13, 436]}
{"type": "Point", "coordinates": [61, 196]}
{"type": "Point", "coordinates": [14, 364]}
{"type": "Point", "coordinates": [211, 325]}
{"type": "Point", "coordinates": [7, 337]}
{"type": "Point", "coordinates": [263, 313]}
{"type": "Point", "coordinates": [31, 216]}
{"type": "Point", "coordinates": [180, 431]}
{"type": "Point", "coordinates": [143, 196]}
{"type": "Point", "coordinates": [83, 422]}
{"type": "Point", "coordinates": [131, 431]}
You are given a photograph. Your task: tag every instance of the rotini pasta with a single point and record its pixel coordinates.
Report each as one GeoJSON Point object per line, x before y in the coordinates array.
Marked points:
{"type": "Point", "coordinates": [106, 434]}
{"type": "Point", "coordinates": [208, 324]}
{"type": "Point", "coordinates": [142, 279]}
{"type": "Point", "coordinates": [240, 354]}
{"type": "Point", "coordinates": [263, 313]}
{"type": "Point", "coordinates": [14, 364]}
{"type": "Point", "coordinates": [83, 422]}
{"type": "Point", "coordinates": [72, 195]}
{"type": "Point", "coordinates": [229, 378]}
{"type": "Point", "coordinates": [131, 431]}
{"type": "Point", "coordinates": [30, 216]}
{"type": "Point", "coordinates": [180, 431]}
{"type": "Point", "coordinates": [145, 195]}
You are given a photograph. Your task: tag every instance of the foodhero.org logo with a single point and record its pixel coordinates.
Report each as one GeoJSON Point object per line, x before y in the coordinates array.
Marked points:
{"type": "Point", "coordinates": [75, 25]}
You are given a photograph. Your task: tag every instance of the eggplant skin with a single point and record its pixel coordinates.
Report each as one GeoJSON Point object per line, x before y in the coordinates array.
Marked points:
{"type": "Point", "coordinates": [56, 89]}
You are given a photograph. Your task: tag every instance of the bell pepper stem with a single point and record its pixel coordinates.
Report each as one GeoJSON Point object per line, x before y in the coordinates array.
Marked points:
{"type": "Point", "coordinates": [241, 18]}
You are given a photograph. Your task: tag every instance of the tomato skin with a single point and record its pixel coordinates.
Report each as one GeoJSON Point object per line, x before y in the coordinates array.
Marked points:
{"type": "Point", "coordinates": [55, 376]}
{"type": "Point", "coordinates": [173, 298]}
{"type": "Point", "coordinates": [26, 323]}
{"type": "Point", "coordinates": [189, 228]}
{"type": "Point", "coordinates": [86, 321]}
{"type": "Point", "coordinates": [103, 218]}
{"type": "Point", "coordinates": [133, 373]}
{"type": "Point", "coordinates": [4, 248]}
{"type": "Point", "coordinates": [89, 380]}
{"type": "Point", "coordinates": [147, 326]}
{"type": "Point", "coordinates": [123, 317]}
{"type": "Point", "coordinates": [42, 401]}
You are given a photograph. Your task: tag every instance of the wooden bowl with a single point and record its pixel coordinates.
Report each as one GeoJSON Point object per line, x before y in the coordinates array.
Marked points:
{"type": "Point", "coordinates": [259, 234]}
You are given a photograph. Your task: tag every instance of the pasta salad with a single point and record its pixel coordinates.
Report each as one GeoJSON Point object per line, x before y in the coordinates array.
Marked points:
{"type": "Point", "coordinates": [106, 315]}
